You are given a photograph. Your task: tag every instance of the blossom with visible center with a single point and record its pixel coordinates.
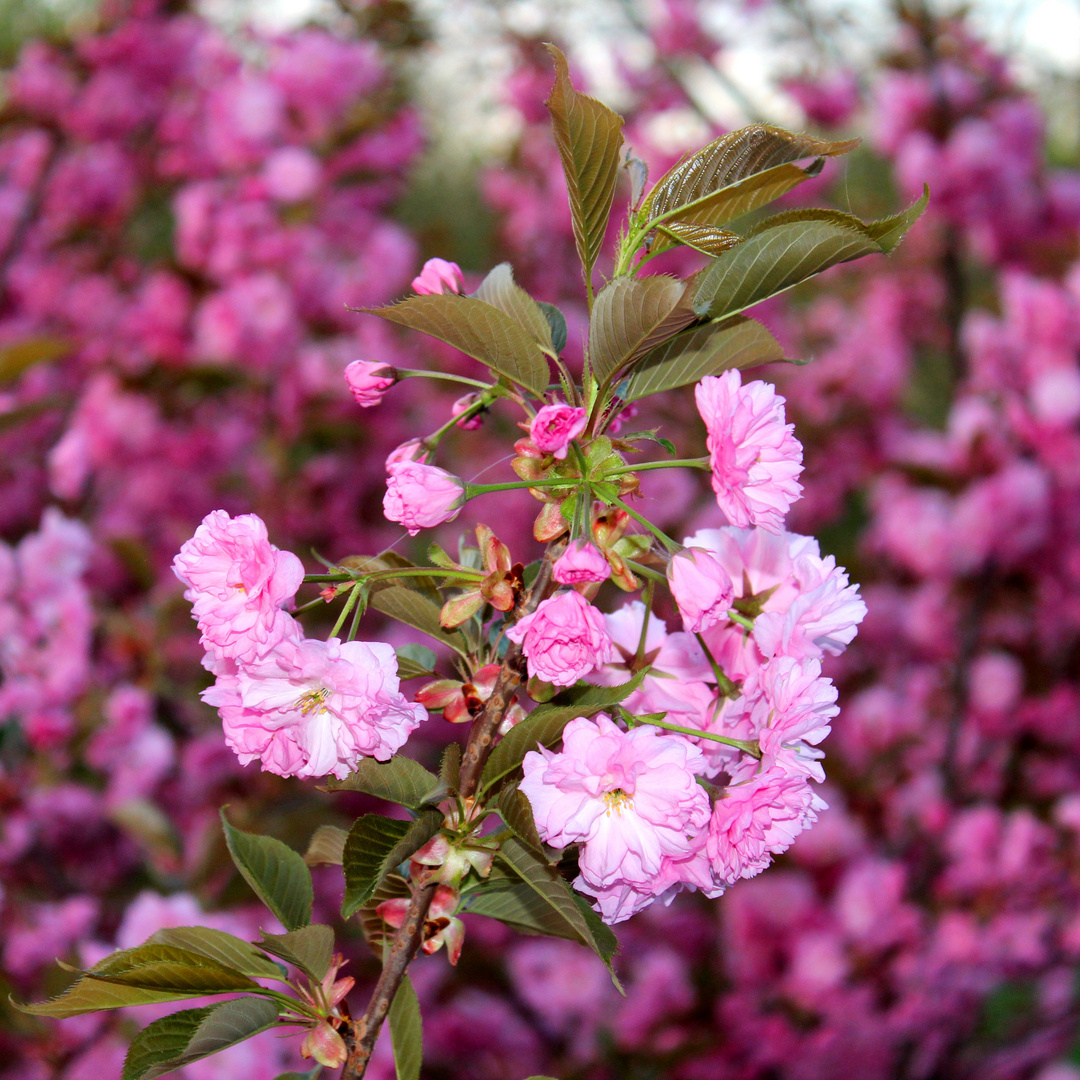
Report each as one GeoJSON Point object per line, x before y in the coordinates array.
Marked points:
{"type": "Point", "coordinates": [756, 460]}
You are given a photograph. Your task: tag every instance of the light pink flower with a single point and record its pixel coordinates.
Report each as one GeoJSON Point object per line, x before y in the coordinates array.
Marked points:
{"type": "Point", "coordinates": [629, 798]}
{"type": "Point", "coordinates": [755, 820]}
{"type": "Point", "coordinates": [554, 426]}
{"type": "Point", "coordinates": [756, 461]}
{"type": "Point", "coordinates": [412, 450]}
{"type": "Point", "coordinates": [314, 708]}
{"type": "Point", "coordinates": [236, 582]}
{"type": "Point", "coordinates": [581, 562]}
{"type": "Point", "coordinates": [421, 496]}
{"type": "Point", "coordinates": [439, 276]}
{"type": "Point", "coordinates": [701, 587]}
{"type": "Point", "coordinates": [563, 639]}
{"type": "Point", "coordinates": [369, 380]}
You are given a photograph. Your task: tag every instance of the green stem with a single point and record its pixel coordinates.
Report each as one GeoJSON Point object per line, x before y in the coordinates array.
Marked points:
{"type": "Point", "coordinates": [646, 571]}
{"type": "Point", "coordinates": [663, 537]}
{"type": "Point", "coordinates": [727, 687]}
{"type": "Point", "coordinates": [742, 620]}
{"type": "Point", "coordinates": [647, 599]}
{"type": "Point", "coordinates": [415, 373]}
{"type": "Point", "coordinates": [678, 463]}
{"type": "Point", "coordinates": [350, 603]}
{"type": "Point", "coordinates": [750, 748]}
{"type": "Point", "coordinates": [472, 490]}
{"type": "Point", "coordinates": [393, 572]}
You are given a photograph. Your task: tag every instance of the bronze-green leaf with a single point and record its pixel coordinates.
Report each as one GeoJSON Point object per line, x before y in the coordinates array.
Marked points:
{"type": "Point", "coordinates": [589, 136]}
{"type": "Point", "coordinates": [311, 949]}
{"type": "Point", "coordinates": [230, 951]}
{"type": "Point", "coordinates": [406, 1032]}
{"type": "Point", "coordinates": [399, 780]}
{"type": "Point", "coordinates": [500, 290]}
{"type": "Point", "coordinates": [708, 239]}
{"type": "Point", "coordinates": [477, 329]}
{"type": "Point", "coordinates": [688, 357]}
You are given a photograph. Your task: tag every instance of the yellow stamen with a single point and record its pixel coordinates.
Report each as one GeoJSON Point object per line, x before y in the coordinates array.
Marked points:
{"type": "Point", "coordinates": [617, 799]}
{"type": "Point", "coordinates": [312, 701]}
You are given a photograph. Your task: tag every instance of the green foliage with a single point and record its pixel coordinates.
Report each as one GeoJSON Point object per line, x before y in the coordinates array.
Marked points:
{"type": "Point", "coordinates": [630, 316]}
{"type": "Point", "coordinates": [785, 249]}
{"type": "Point", "coordinates": [479, 330]}
{"type": "Point", "coordinates": [311, 949]}
{"type": "Point", "coordinates": [588, 135]}
{"type": "Point", "coordinates": [275, 872]}
{"type": "Point", "coordinates": [400, 780]}
{"type": "Point", "coordinates": [516, 812]}
{"type": "Point", "coordinates": [375, 930]}
{"type": "Point", "coordinates": [546, 722]}
{"type": "Point", "coordinates": [415, 661]}
{"type": "Point", "coordinates": [327, 846]}
{"type": "Point", "coordinates": [376, 845]}
{"type": "Point", "coordinates": [710, 349]}
{"type": "Point", "coordinates": [406, 1032]}
{"type": "Point", "coordinates": [183, 1037]}
{"type": "Point", "coordinates": [499, 290]}
{"type": "Point", "coordinates": [20, 356]}
{"type": "Point", "coordinates": [557, 321]}
{"type": "Point", "coordinates": [230, 951]}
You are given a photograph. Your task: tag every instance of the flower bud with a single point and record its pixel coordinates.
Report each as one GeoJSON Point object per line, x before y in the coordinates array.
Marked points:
{"type": "Point", "coordinates": [554, 426]}
{"type": "Point", "coordinates": [421, 496]}
{"type": "Point", "coordinates": [369, 380]}
{"type": "Point", "coordinates": [581, 562]}
{"type": "Point", "coordinates": [325, 1045]}
{"type": "Point", "coordinates": [701, 587]}
{"type": "Point", "coordinates": [462, 405]}
{"type": "Point", "coordinates": [439, 276]}
{"type": "Point", "coordinates": [413, 450]}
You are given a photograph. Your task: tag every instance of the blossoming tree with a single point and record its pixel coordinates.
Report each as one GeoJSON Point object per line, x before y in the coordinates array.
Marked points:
{"type": "Point", "coordinates": [609, 762]}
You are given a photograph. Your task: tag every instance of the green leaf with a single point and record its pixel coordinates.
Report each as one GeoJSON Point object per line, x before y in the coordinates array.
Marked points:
{"type": "Point", "coordinates": [275, 872]}
{"type": "Point", "coordinates": [311, 949]}
{"type": "Point", "coordinates": [546, 722]}
{"type": "Point", "coordinates": [184, 1037]}
{"type": "Point", "coordinates": [313, 1074]}
{"type": "Point", "coordinates": [227, 950]}
{"type": "Point", "coordinates": [588, 135]}
{"type": "Point", "coordinates": [415, 661]}
{"type": "Point", "coordinates": [89, 995]}
{"type": "Point", "coordinates": [708, 239]}
{"type": "Point", "coordinates": [515, 809]}
{"type": "Point", "coordinates": [412, 607]}
{"type": "Point", "coordinates": [326, 846]}
{"type": "Point", "coordinates": [406, 1031]}
{"type": "Point", "coordinates": [20, 356]}
{"type": "Point", "coordinates": [520, 907]}
{"type": "Point", "coordinates": [737, 342]}
{"type": "Point", "coordinates": [450, 767]}
{"type": "Point", "coordinates": [479, 330]}
{"type": "Point", "coordinates": [736, 173]}
{"type": "Point", "coordinates": [156, 966]}
{"type": "Point", "coordinates": [631, 316]}
{"type": "Point", "coordinates": [400, 780]}
{"type": "Point", "coordinates": [607, 944]}
{"type": "Point", "coordinates": [375, 846]}
{"type": "Point", "coordinates": [557, 322]}
{"type": "Point", "coordinates": [784, 250]}
{"type": "Point", "coordinates": [499, 290]}
{"type": "Point", "coordinates": [546, 881]}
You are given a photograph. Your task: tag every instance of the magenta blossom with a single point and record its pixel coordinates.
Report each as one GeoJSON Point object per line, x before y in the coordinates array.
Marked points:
{"type": "Point", "coordinates": [314, 708]}
{"type": "Point", "coordinates": [439, 276]}
{"type": "Point", "coordinates": [756, 461]}
{"type": "Point", "coordinates": [236, 582]}
{"type": "Point", "coordinates": [462, 405]}
{"type": "Point", "coordinates": [563, 639]}
{"type": "Point", "coordinates": [629, 798]}
{"type": "Point", "coordinates": [369, 380]}
{"type": "Point", "coordinates": [701, 587]}
{"type": "Point", "coordinates": [581, 562]}
{"type": "Point", "coordinates": [554, 426]}
{"type": "Point", "coordinates": [421, 496]}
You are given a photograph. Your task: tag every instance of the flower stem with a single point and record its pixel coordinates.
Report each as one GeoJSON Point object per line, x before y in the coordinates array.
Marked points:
{"type": "Point", "coordinates": [472, 490]}
{"type": "Point", "coordinates": [415, 373]}
{"type": "Point", "coordinates": [350, 603]}
{"type": "Point", "coordinates": [679, 463]}
{"type": "Point", "coordinates": [742, 620]}
{"type": "Point", "coordinates": [750, 748]}
{"type": "Point", "coordinates": [663, 537]}
{"type": "Point", "coordinates": [727, 687]}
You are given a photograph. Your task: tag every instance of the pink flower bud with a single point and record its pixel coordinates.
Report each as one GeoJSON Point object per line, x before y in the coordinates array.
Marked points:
{"type": "Point", "coordinates": [413, 450]}
{"type": "Point", "coordinates": [421, 496]}
{"type": "Point", "coordinates": [579, 563]}
{"type": "Point", "coordinates": [368, 381]}
{"type": "Point", "coordinates": [439, 276]}
{"type": "Point", "coordinates": [325, 1045]}
{"type": "Point", "coordinates": [555, 425]}
{"type": "Point", "coordinates": [701, 587]}
{"type": "Point", "coordinates": [463, 403]}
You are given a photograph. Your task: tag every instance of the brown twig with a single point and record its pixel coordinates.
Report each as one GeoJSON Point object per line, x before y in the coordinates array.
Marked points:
{"type": "Point", "coordinates": [362, 1034]}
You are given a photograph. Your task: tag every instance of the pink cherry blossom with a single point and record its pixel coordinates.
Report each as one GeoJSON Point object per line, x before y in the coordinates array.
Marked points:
{"type": "Point", "coordinates": [421, 496]}
{"type": "Point", "coordinates": [701, 587]}
{"type": "Point", "coordinates": [581, 562]}
{"type": "Point", "coordinates": [314, 708]}
{"type": "Point", "coordinates": [236, 582]}
{"type": "Point", "coordinates": [369, 380]}
{"type": "Point", "coordinates": [441, 928]}
{"type": "Point", "coordinates": [629, 798]}
{"type": "Point", "coordinates": [756, 461]}
{"type": "Point", "coordinates": [563, 639]}
{"type": "Point", "coordinates": [439, 276]}
{"type": "Point", "coordinates": [554, 426]}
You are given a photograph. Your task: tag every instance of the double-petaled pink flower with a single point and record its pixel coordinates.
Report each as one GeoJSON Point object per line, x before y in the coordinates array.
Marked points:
{"type": "Point", "coordinates": [236, 582]}
{"type": "Point", "coordinates": [701, 587]}
{"type": "Point", "coordinates": [421, 496]}
{"type": "Point", "coordinates": [563, 639]}
{"type": "Point", "coordinates": [555, 426]}
{"type": "Point", "coordinates": [756, 460]}
{"type": "Point", "coordinates": [630, 798]}
{"type": "Point", "coordinates": [314, 708]}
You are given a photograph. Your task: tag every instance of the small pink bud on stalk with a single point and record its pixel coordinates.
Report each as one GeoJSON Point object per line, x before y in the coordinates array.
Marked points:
{"type": "Point", "coordinates": [325, 1045]}
{"type": "Point", "coordinates": [413, 450]}
{"type": "Point", "coordinates": [581, 562]}
{"type": "Point", "coordinates": [463, 404]}
{"type": "Point", "coordinates": [439, 276]}
{"type": "Point", "coordinates": [368, 381]}
{"type": "Point", "coordinates": [421, 496]}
